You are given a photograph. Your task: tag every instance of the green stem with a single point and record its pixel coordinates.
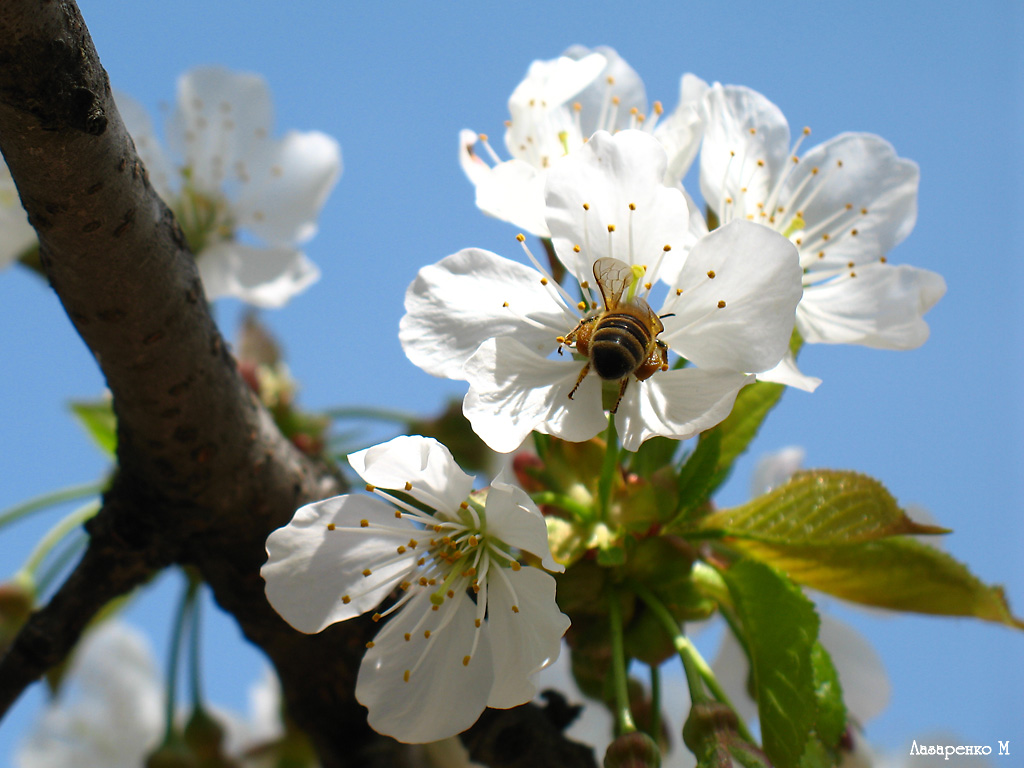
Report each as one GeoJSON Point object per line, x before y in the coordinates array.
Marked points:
{"type": "Point", "coordinates": [59, 563]}
{"type": "Point", "coordinates": [655, 732]}
{"type": "Point", "coordinates": [194, 655]}
{"type": "Point", "coordinates": [623, 715]}
{"type": "Point", "coordinates": [184, 613]}
{"type": "Point", "coordinates": [373, 414]}
{"type": "Point", "coordinates": [698, 672]}
{"type": "Point", "coordinates": [25, 508]}
{"type": "Point", "coordinates": [53, 537]}
{"type": "Point", "coordinates": [611, 462]}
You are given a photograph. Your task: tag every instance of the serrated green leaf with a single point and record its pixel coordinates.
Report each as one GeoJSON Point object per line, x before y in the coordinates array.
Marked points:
{"type": "Point", "coordinates": [97, 417]}
{"type": "Point", "coordinates": [818, 507]}
{"type": "Point", "coordinates": [898, 573]}
{"type": "Point", "coordinates": [816, 755]}
{"type": "Point", "coordinates": [697, 474]}
{"type": "Point", "coordinates": [781, 628]}
{"type": "Point", "coordinates": [828, 694]}
{"type": "Point", "coordinates": [752, 405]}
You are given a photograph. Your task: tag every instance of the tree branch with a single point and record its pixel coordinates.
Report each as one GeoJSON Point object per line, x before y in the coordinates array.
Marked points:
{"type": "Point", "coordinates": [204, 474]}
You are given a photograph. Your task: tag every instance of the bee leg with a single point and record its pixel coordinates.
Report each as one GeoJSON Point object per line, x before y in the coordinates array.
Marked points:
{"type": "Point", "coordinates": [583, 373]}
{"type": "Point", "coordinates": [622, 391]}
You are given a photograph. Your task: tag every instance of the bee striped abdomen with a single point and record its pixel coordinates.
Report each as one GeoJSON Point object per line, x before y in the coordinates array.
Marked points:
{"type": "Point", "coordinates": [618, 345]}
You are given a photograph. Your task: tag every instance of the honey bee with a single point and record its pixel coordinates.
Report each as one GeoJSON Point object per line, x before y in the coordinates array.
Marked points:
{"type": "Point", "coordinates": [620, 338]}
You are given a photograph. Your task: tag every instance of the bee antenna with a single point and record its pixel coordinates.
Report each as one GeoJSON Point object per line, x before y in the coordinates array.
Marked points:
{"type": "Point", "coordinates": [667, 314]}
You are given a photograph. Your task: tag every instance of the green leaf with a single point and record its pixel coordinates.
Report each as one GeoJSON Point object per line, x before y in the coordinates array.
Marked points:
{"type": "Point", "coordinates": [752, 406]}
{"type": "Point", "coordinates": [781, 628]}
{"type": "Point", "coordinates": [898, 573]}
{"type": "Point", "coordinates": [97, 417]}
{"type": "Point", "coordinates": [818, 507]}
{"type": "Point", "coordinates": [828, 694]}
{"type": "Point", "coordinates": [697, 474]}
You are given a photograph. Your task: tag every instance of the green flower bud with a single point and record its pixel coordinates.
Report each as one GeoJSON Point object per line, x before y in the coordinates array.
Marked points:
{"type": "Point", "coordinates": [633, 750]}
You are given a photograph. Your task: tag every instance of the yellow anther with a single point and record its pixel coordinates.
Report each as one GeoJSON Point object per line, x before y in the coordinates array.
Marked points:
{"type": "Point", "coordinates": [405, 676]}
{"type": "Point", "coordinates": [369, 644]}
{"type": "Point", "coordinates": [504, 304]}
{"type": "Point", "coordinates": [586, 206]}
{"type": "Point", "coordinates": [721, 304]}
{"type": "Point", "coordinates": [465, 661]}
{"type": "Point", "coordinates": [521, 237]}
{"type": "Point", "coordinates": [482, 136]}
{"type": "Point", "coordinates": [658, 109]}
{"type": "Point", "coordinates": [711, 274]}
{"type": "Point", "coordinates": [679, 291]}
{"type": "Point", "coordinates": [543, 281]}
{"type": "Point", "coordinates": [408, 637]}
{"type": "Point", "coordinates": [515, 609]}
{"type": "Point", "coordinates": [364, 523]}
{"type": "Point", "coordinates": [575, 249]}
{"type": "Point", "coordinates": [330, 526]}
{"type": "Point", "coordinates": [401, 549]}
{"type": "Point", "coordinates": [515, 565]}
{"type": "Point", "coordinates": [477, 623]}
{"type": "Point", "coordinates": [426, 634]}
{"type": "Point", "coordinates": [632, 206]}
{"type": "Point", "coordinates": [376, 617]}
{"type": "Point", "coordinates": [345, 599]}
{"type": "Point", "coordinates": [408, 486]}
{"type": "Point", "coordinates": [370, 488]}
{"type": "Point", "coordinates": [367, 572]}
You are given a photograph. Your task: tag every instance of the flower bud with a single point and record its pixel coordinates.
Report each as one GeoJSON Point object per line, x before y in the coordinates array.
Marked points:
{"type": "Point", "coordinates": [172, 754]}
{"type": "Point", "coordinates": [633, 750]}
{"type": "Point", "coordinates": [204, 736]}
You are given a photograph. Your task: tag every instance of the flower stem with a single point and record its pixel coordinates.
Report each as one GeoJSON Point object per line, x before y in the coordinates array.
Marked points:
{"type": "Point", "coordinates": [372, 414]}
{"type": "Point", "coordinates": [184, 614]}
{"type": "Point", "coordinates": [74, 548]}
{"type": "Point", "coordinates": [194, 648]}
{"type": "Point", "coordinates": [698, 673]}
{"type": "Point", "coordinates": [611, 462]}
{"type": "Point", "coordinates": [25, 508]}
{"type": "Point", "coordinates": [655, 732]}
{"type": "Point", "coordinates": [623, 715]}
{"type": "Point", "coordinates": [53, 537]}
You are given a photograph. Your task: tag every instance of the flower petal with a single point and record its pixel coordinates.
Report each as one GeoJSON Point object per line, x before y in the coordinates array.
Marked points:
{"type": "Point", "coordinates": [455, 305]}
{"type": "Point", "coordinates": [611, 176]}
{"type": "Point", "coordinates": [877, 305]}
{"type": "Point", "coordinates": [263, 277]}
{"type": "Point", "coordinates": [524, 639]}
{"type": "Point", "coordinates": [859, 173]}
{"type": "Point", "coordinates": [775, 469]}
{"type": "Point", "coordinates": [787, 372]}
{"type": "Point", "coordinates": [311, 566]}
{"type": "Point", "coordinates": [285, 186]}
{"type": "Point", "coordinates": [755, 271]}
{"type": "Point", "coordinates": [866, 687]}
{"type": "Point", "coordinates": [680, 133]}
{"type": "Point", "coordinates": [422, 462]}
{"type": "Point", "coordinates": [677, 404]}
{"type": "Point", "coordinates": [513, 390]}
{"type": "Point", "coordinates": [220, 117]}
{"type": "Point", "coordinates": [746, 145]}
{"type": "Point", "coordinates": [443, 696]}
{"type": "Point", "coordinates": [616, 80]}
{"type": "Point", "coordinates": [162, 174]}
{"type": "Point", "coordinates": [514, 518]}
{"type": "Point", "coordinates": [512, 191]}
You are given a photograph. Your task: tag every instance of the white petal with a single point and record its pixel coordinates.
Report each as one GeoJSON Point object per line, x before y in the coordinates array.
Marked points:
{"type": "Point", "coordinates": [455, 305]}
{"type": "Point", "coordinates": [285, 186]}
{"type": "Point", "coordinates": [866, 687]}
{"type": "Point", "coordinates": [787, 372]}
{"type": "Point", "coordinates": [443, 696]}
{"type": "Point", "coordinates": [756, 272]}
{"type": "Point", "coordinates": [608, 175]}
{"type": "Point", "coordinates": [881, 306]}
{"type": "Point", "coordinates": [220, 118]}
{"type": "Point", "coordinates": [741, 127]}
{"type": "Point", "coordinates": [553, 82]}
{"type": "Point", "coordinates": [616, 80]}
{"type": "Point", "coordinates": [775, 469]}
{"type": "Point", "coordinates": [680, 133]}
{"type": "Point", "coordinates": [110, 710]}
{"type": "Point", "coordinates": [857, 172]}
{"type": "Point", "coordinates": [310, 567]}
{"type": "Point", "coordinates": [514, 518]}
{"type": "Point", "coordinates": [426, 464]}
{"type": "Point", "coordinates": [732, 669]}
{"type": "Point", "coordinates": [514, 391]}
{"type": "Point", "coordinates": [16, 234]}
{"type": "Point", "coordinates": [263, 277]}
{"type": "Point", "coordinates": [677, 404]}
{"type": "Point", "coordinates": [162, 174]}
{"type": "Point", "coordinates": [523, 641]}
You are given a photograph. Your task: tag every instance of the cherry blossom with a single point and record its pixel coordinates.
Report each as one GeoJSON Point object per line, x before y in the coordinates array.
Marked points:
{"type": "Point", "coordinates": [472, 626]}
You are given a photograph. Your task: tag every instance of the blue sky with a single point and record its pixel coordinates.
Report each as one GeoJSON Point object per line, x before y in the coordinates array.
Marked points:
{"type": "Point", "coordinates": [394, 82]}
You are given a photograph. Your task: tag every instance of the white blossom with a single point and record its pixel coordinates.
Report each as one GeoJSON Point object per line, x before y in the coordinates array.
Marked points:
{"type": "Point", "coordinates": [471, 628]}
{"type": "Point", "coordinates": [496, 323]}
{"type": "Point", "coordinates": [244, 199]}
{"type": "Point", "coordinates": [554, 110]}
{"type": "Point", "coordinates": [845, 204]}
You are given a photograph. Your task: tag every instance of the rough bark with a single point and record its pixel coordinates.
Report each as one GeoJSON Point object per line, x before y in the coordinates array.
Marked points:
{"type": "Point", "coordinates": [204, 475]}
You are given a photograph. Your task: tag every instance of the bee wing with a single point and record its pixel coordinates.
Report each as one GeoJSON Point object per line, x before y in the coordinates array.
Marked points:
{"type": "Point", "coordinates": [613, 277]}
